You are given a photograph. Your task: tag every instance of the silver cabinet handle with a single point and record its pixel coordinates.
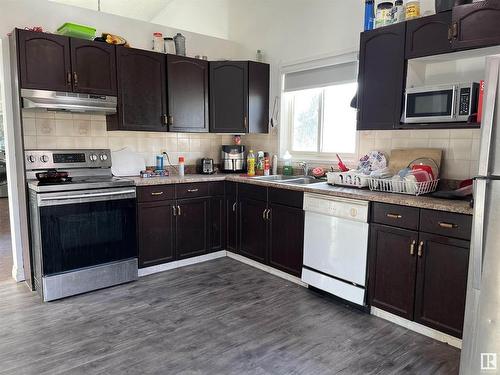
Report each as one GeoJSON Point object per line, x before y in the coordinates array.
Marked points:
{"type": "Point", "coordinates": [157, 193]}
{"type": "Point", "coordinates": [268, 215]}
{"type": "Point", "coordinates": [420, 249]}
{"type": "Point", "coordinates": [174, 209]}
{"type": "Point", "coordinates": [264, 214]}
{"type": "Point", "coordinates": [192, 190]}
{"type": "Point", "coordinates": [234, 207]}
{"type": "Point", "coordinates": [412, 247]}
{"type": "Point", "coordinates": [179, 210]}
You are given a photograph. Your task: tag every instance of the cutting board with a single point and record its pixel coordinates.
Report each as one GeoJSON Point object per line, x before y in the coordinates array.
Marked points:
{"type": "Point", "coordinates": [400, 158]}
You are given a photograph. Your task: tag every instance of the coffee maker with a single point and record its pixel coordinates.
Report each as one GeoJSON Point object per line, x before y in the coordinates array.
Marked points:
{"type": "Point", "coordinates": [233, 158]}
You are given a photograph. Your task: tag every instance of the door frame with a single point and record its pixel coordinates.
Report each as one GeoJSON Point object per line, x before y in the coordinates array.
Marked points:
{"type": "Point", "coordinates": [16, 180]}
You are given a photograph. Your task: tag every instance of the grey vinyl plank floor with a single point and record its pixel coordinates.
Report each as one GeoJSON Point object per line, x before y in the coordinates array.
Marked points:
{"type": "Point", "coordinates": [218, 317]}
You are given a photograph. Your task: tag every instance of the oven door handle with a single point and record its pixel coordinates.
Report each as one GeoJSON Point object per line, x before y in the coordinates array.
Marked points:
{"type": "Point", "coordinates": [90, 195]}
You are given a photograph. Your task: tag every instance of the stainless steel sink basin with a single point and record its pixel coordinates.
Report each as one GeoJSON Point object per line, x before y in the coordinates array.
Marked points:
{"type": "Point", "coordinates": [301, 181]}
{"type": "Point", "coordinates": [276, 178]}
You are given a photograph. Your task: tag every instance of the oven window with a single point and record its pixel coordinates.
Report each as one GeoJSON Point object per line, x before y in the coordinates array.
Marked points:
{"type": "Point", "coordinates": [87, 234]}
{"type": "Point", "coordinates": [430, 104]}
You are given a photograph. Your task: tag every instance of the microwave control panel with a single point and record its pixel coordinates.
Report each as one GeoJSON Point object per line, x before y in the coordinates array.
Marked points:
{"type": "Point", "coordinates": [464, 101]}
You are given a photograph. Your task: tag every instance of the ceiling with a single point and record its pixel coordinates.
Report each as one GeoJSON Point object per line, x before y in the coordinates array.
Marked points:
{"type": "Point", "coordinates": [142, 10]}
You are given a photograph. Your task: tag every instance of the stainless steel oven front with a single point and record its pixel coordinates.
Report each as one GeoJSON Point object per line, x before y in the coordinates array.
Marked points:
{"type": "Point", "coordinates": [83, 240]}
{"type": "Point", "coordinates": [441, 103]}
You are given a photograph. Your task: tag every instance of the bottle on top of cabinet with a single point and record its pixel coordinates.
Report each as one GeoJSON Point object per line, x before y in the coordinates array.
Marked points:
{"type": "Point", "coordinates": [398, 11]}
{"type": "Point", "coordinates": [384, 14]}
{"type": "Point", "coordinates": [412, 9]}
{"type": "Point", "coordinates": [369, 14]}
{"type": "Point", "coordinates": [180, 44]}
{"type": "Point", "coordinates": [158, 45]}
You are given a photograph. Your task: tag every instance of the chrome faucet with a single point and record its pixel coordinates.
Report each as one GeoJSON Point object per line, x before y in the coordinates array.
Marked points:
{"type": "Point", "coordinates": [305, 167]}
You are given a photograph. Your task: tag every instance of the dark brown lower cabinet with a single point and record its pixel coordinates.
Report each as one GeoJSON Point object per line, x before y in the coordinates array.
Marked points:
{"type": "Point", "coordinates": [442, 283]}
{"type": "Point", "coordinates": [155, 222]}
{"type": "Point", "coordinates": [191, 232]}
{"type": "Point", "coordinates": [393, 266]}
{"type": "Point", "coordinates": [216, 223]}
{"type": "Point", "coordinates": [286, 238]}
{"type": "Point", "coordinates": [253, 229]}
{"type": "Point", "coordinates": [231, 208]}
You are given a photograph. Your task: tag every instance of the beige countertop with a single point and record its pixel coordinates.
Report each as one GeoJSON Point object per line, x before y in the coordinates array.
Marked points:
{"type": "Point", "coordinates": [448, 205]}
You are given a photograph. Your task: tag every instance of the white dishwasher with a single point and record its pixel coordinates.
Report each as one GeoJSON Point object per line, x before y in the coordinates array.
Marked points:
{"type": "Point", "coordinates": [336, 246]}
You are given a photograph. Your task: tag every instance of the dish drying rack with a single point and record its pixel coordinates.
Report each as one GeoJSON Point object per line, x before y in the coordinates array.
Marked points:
{"type": "Point", "coordinates": [348, 179]}
{"type": "Point", "coordinates": [389, 185]}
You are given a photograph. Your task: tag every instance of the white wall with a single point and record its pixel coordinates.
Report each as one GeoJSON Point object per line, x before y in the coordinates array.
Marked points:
{"type": "Point", "coordinates": [199, 16]}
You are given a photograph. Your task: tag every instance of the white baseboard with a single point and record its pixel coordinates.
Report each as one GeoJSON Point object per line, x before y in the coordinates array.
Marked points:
{"type": "Point", "coordinates": [416, 327]}
{"type": "Point", "coordinates": [181, 263]}
{"type": "Point", "coordinates": [265, 268]}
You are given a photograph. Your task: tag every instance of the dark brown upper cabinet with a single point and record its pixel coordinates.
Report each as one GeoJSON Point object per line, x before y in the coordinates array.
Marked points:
{"type": "Point", "coordinates": [44, 61]}
{"type": "Point", "coordinates": [428, 36]}
{"type": "Point", "coordinates": [142, 91]}
{"type": "Point", "coordinates": [93, 67]}
{"type": "Point", "coordinates": [381, 77]}
{"type": "Point", "coordinates": [476, 25]}
{"type": "Point", "coordinates": [59, 63]}
{"type": "Point", "coordinates": [442, 283]}
{"type": "Point", "coordinates": [239, 97]}
{"type": "Point", "coordinates": [187, 85]}
{"type": "Point", "coordinates": [393, 267]}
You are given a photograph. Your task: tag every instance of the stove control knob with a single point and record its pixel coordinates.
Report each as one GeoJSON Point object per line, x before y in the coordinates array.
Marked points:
{"type": "Point", "coordinates": [103, 157]}
{"type": "Point", "coordinates": [44, 158]}
{"type": "Point", "coordinates": [93, 157]}
{"type": "Point", "coordinates": [31, 159]}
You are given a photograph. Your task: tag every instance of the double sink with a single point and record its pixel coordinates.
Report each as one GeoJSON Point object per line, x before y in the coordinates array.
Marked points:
{"type": "Point", "coordinates": [289, 180]}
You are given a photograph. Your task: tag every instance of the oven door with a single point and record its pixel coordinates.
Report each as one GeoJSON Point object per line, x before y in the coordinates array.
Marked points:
{"type": "Point", "coordinates": [85, 229]}
{"type": "Point", "coordinates": [424, 105]}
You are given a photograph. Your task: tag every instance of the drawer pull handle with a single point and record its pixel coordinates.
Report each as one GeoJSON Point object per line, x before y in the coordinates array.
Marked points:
{"type": "Point", "coordinates": [157, 193]}
{"type": "Point", "coordinates": [179, 212]}
{"type": "Point", "coordinates": [192, 190]}
{"type": "Point", "coordinates": [394, 216]}
{"type": "Point", "coordinates": [442, 224]}
{"type": "Point", "coordinates": [420, 248]}
{"type": "Point", "coordinates": [234, 207]}
{"type": "Point", "coordinates": [412, 247]}
{"type": "Point", "coordinates": [175, 210]}
{"type": "Point", "coordinates": [264, 214]}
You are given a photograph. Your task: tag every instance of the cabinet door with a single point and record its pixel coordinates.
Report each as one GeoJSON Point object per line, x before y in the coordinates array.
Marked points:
{"type": "Point", "coordinates": [258, 97]}
{"type": "Point", "coordinates": [442, 283]}
{"type": "Point", "coordinates": [381, 77]}
{"type": "Point", "coordinates": [253, 229]}
{"type": "Point", "coordinates": [393, 265]}
{"type": "Point", "coordinates": [217, 224]}
{"type": "Point", "coordinates": [155, 233]}
{"type": "Point", "coordinates": [141, 91]}
{"type": "Point", "coordinates": [229, 97]}
{"type": "Point", "coordinates": [286, 238]}
{"type": "Point", "coordinates": [476, 25]}
{"type": "Point", "coordinates": [44, 61]}
{"type": "Point", "coordinates": [93, 67]}
{"type": "Point", "coordinates": [231, 208]}
{"type": "Point", "coordinates": [187, 84]}
{"type": "Point", "coordinates": [191, 232]}
{"type": "Point", "coordinates": [428, 35]}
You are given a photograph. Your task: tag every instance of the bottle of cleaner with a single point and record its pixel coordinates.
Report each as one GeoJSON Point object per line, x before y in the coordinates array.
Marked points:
{"type": "Point", "coordinates": [181, 166]}
{"type": "Point", "coordinates": [251, 163]}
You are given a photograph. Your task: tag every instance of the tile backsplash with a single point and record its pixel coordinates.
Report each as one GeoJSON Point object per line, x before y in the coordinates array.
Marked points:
{"type": "Point", "coordinates": [59, 130]}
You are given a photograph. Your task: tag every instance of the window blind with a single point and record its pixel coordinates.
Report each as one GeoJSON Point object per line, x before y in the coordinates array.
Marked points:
{"type": "Point", "coordinates": [321, 77]}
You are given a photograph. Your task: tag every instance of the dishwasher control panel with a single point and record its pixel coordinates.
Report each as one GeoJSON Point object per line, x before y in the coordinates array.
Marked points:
{"type": "Point", "coordinates": [350, 209]}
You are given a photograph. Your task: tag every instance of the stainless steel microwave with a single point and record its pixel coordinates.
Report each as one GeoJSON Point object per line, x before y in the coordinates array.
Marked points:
{"type": "Point", "coordinates": [443, 103]}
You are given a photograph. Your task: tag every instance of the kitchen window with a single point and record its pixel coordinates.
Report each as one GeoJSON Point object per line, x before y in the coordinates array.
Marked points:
{"type": "Point", "coordinates": [318, 118]}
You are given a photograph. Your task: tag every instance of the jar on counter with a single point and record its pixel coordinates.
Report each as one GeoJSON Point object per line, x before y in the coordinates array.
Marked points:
{"type": "Point", "coordinates": [384, 14]}
{"type": "Point", "coordinates": [158, 43]}
{"type": "Point", "coordinates": [412, 9]}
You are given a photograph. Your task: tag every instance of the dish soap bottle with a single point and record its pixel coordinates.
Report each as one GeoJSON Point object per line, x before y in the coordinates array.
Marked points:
{"type": "Point", "coordinates": [251, 164]}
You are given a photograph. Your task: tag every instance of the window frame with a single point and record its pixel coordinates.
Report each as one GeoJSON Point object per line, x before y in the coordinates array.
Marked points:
{"type": "Point", "coordinates": [287, 110]}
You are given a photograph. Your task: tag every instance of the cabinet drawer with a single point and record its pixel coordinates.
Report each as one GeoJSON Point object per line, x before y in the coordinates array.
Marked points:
{"type": "Point", "coordinates": [199, 189]}
{"type": "Point", "coordinates": [216, 188]}
{"type": "Point", "coordinates": [446, 224]}
{"type": "Point", "coordinates": [395, 215]}
{"type": "Point", "coordinates": [252, 192]}
{"type": "Point", "coordinates": [155, 193]}
{"type": "Point", "coordinates": [286, 197]}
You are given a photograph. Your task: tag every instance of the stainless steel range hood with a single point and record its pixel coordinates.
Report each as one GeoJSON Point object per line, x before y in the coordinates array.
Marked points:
{"type": "Point", "coordinates": [69, 101]}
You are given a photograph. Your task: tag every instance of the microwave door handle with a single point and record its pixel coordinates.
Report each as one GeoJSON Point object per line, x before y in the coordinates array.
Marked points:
{"type": "Point", "coordinates": [83, 196]}
{"type": "Point", "coordinates": [454, 103]}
